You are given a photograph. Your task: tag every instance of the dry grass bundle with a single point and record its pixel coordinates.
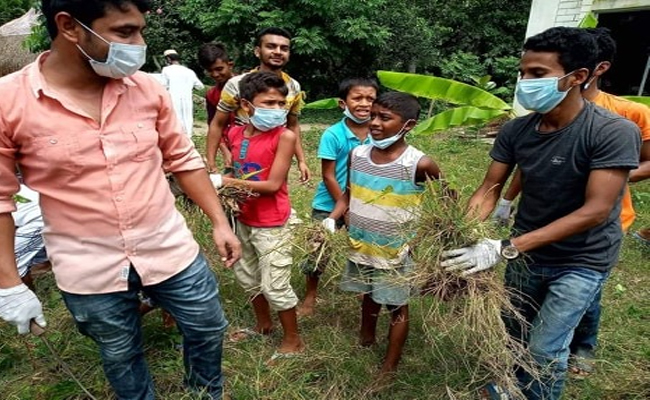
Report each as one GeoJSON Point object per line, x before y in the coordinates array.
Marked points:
{"type": "Point", "coordinates": [464, 317]}
{"type": "Point", "coordinates": [232, 196]}
{"type": "Point", "coordinates": [314, 247]}
{"type": "Point", "coordinates": [13, 56]}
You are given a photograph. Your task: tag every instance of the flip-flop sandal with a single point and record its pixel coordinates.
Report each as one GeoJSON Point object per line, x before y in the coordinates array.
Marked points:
{"type": "Point", "coordinates": [492, 391]}
{"type": "Point", "coordinates": [641, 239]}
{"type": "Point", "coordinates": [244, 334]}
{"type": "Point", "coordinates": [580, 366]}
{"type": "Point", "coordinates": [277, 357]}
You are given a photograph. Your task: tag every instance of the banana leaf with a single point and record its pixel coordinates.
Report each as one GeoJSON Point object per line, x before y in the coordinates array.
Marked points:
{"type": "Point", "coordinates": [460, 116]}
{"type": "Point", "coordinates": [639, 99]}
{"type": "Point", "coordinates": [323, 104]}
{"type": "Point", "coordinates": [440, 88]}
{"type": "Point", "coordinates": [590, 20]}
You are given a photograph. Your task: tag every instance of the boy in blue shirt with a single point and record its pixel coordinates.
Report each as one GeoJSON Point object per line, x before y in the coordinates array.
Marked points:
{"type": "Point", "coordinates": [356, 96]}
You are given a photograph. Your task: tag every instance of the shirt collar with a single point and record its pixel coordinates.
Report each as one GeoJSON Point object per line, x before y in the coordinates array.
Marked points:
{"type": "Point", "coordinates": [285, 77]}
{"type": "Point", "coordinates": [38, 83]}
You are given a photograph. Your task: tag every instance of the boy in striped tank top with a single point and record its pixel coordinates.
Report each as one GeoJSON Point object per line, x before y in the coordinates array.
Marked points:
{"type": "Point", "coordinates": [383, 196]}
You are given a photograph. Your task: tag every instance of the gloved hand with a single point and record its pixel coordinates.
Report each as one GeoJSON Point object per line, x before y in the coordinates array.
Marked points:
{"type": "Point", "coordinates": [483, 255]}
{"type": "Point", "coordinates": [329, 224]}
{"type": "Point", "coordinates": [19, 305]}
{"type": "Point", "coordinates": [216, 180]}
{"type": "Point", "coordinates": [502, 213]}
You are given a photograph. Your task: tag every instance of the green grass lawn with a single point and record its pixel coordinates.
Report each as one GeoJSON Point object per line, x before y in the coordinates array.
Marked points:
{"type": "Point", "coordinates": [335, 367]}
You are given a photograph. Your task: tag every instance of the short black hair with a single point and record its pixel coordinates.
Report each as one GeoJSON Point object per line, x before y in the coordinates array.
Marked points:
{"type": "Point", "coordinates": [403, 104]}
{"type": "Point", "coordinates": [255, 83]}
{"type": "Point", "coordinates": [173, 57]}
{"type": "Point", "coordinates": [347, 84]}
{"type": "Point", "coordinates": [209, 53]}
{"type": "Point", "coordinates": [576, 48]}
{"type": "Point", "coordinates": [86, 11]}
{"type": "Point", "coordinates": [606, 43]}
{"type": "Point", "coordinates": [272, 30]}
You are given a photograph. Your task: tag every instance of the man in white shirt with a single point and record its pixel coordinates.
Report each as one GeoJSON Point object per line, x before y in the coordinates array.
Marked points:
{"type": "Point", "coordinates": [180, 81]}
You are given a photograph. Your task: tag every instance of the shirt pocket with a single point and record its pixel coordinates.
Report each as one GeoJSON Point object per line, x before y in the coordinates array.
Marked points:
{"type": "Point", "coordinates": [142, 137]}
{"type": "Point", "coordinates": [61, 153]}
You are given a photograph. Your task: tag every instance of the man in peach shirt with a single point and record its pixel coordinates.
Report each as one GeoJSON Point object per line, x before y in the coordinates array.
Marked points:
{"type": "Point", "coordinates": [94, 137]}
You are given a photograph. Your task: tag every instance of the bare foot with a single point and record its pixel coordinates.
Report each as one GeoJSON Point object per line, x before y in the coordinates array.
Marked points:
{"type": "Point", "coordinates": [292, 346]}
{"type": "Point", "coordinates": [286, 353]}
{"type": "Point", "coordinates": [305, 309]}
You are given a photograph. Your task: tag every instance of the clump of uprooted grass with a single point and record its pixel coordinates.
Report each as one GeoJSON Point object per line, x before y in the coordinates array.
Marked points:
{"type": "Point", "coordinates": [232, 197]}
{"type": "Point", "coordinates": [462, 314]}
{"type": "Point", "coordinates": [314, 247]}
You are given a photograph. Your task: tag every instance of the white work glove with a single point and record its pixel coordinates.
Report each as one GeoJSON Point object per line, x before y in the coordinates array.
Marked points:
{"type": "Point", "coordinates": [19, 305]}
{"type": "Point", "coordinates": [483, 255]}
{"type": "Point", "coordinates": [502, 213]}
{"type": "Point", "coordinates": [329, 224]}
{"type": "Point", "coordinates": [216, 180]}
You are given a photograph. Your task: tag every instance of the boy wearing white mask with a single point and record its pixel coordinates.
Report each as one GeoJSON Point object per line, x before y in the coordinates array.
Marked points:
{"type": "Point", "coordinates": [103, 137]}
{"type": "Point", "coordinates": [383, 195]}
{"type": "Point", "coordinates": [356, 96]}
{"type": "Point", "coordinates": [574, 160]}
{"type": "Point", "coordinates": [262, 152]}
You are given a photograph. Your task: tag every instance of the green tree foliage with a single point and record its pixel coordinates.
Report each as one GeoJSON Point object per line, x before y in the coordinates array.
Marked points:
{"type": "Point", "coordinates": [167, 28]}
{"type": "Point", "coordinates": [11, 9]}
{"type": "Point", "coordinates": [334, 39]}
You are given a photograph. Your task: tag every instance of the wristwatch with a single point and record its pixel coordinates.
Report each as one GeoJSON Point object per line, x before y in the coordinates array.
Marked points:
{"type": "Point", "coordinates": [509, 251]}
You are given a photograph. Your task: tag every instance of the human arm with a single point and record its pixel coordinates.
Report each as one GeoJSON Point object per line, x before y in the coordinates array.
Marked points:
{"type": "Point", "coordinates": [196, 184]}
{"type": "Point", "coordinates": [343, 202]}
{"type": "Point", "coordinates": [181, 158]}
{"type": "Point", "coordinates": [603, 189]}
{"type": "Point", "coordinates": [215, 133]}
{"type": "Point", "coordinates": [328, 170]}
{"type": "Point", "coordinates": [279, 169]}
{"type": "Point", "coordinates": [504, 206]}
{"type": "Point", "coordinates": [643, 172]}
{"type": "Point", "coordinates": [197, 84]}
{"type": "Point", "coordinates": [485, 197]}
{"type": "Point", "coordinates": [294, 125]}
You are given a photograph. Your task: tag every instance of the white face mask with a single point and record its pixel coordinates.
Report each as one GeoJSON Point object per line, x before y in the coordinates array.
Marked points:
{"type": "Point", "coordinates": [122, 60]}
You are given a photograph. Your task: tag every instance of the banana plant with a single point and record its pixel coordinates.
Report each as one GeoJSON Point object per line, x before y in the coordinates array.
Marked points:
{"type": "Point", "coordinates": [639, 99]}
{"type": "Point", "coordinates": [475, 105]}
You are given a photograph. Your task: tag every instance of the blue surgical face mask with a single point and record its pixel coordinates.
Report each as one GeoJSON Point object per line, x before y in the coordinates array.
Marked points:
{"type": "Point", "coordinates": [389, 141]}
{"type": "Point", "coordinates": [265, 119]}
{"type": "Point", "coordinates": [540, 94]}
{"type": "Point", "coordinates": [122, 60]}
{"type": "Point", "coordinates": [354, 119]}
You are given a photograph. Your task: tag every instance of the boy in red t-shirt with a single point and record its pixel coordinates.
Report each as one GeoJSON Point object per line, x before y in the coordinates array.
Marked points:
{"type": "Point", "coordinates": [217, 65]}
{"type": "Point", "coordinates": [262, 152]}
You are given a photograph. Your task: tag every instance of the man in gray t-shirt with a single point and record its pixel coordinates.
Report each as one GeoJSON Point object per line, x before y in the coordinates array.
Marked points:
{"type": "Point", "coordinates": [574, 159]}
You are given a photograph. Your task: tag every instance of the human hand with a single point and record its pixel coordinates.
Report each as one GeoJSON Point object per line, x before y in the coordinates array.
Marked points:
{"type": "Point", "coordinates": [227, 157]}
{"type": "Point", "coordinates": [228, 245]}
{"type": "Point", "coordinates": [305, 173]}
{"type": "Point", "coordinates": [483, 255]}
{"type": "Point", "coordinates": [19, 305]}
{"type": "Point", "coordinates": [217, 180]}
{"type": "Point", "coordinates": [329, 224]}
{"type": "Point", "coordinates": [502, 213]}
{"type": "Point", "coordinates": [211, 166]}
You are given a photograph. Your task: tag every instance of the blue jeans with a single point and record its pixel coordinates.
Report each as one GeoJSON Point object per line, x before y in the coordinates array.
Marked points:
{"type": "Point", "coordinates": [113, 321]}
{"type": "Point", "coordinates": [552, 300]}
{"type": "Point", "coordinates": [586, 333]}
